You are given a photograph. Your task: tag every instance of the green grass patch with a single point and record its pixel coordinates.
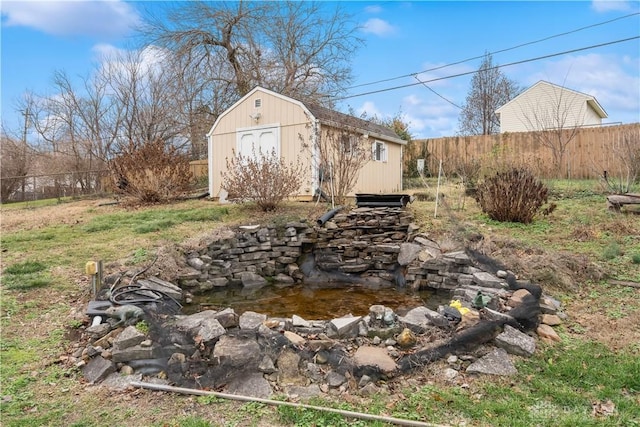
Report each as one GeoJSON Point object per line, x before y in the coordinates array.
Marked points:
{"type": "Point", "coordinates": [26, 267]}
{"type": "Point", "coordinates": [26, 275]}
{"type": "Point", "coordinates": [154, 220]}
{"type": "Point", "coordinates": [556, 387]}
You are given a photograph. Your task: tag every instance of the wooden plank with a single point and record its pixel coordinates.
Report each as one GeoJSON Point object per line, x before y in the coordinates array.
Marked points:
{"type": "Point", "coordinates": [625, 283]}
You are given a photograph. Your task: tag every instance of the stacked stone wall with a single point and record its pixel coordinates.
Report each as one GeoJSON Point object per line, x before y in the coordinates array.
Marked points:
{"type": "Point", "coordinates": [381, 243]}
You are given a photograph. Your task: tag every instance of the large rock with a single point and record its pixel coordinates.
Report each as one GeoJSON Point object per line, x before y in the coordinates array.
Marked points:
{"type": "Point", "coordinates": [374, 356]}
{"type": "Point", "coordinates": [98, 369]}
{"type": "Point", "coordinates": [408, 252]}
{"type": "Point", "coordinates": [250, 384]}
{"type": "Point", "coordinates": [516, 342]}
{"type": "Point", "coordinates": [204, 324]}
{"type": "Point", "coordinates": [129, 338]}
{"type": "Point", "coordinates": [252, 280]}
{"type": "Point", "coordinates": [288, 369]}
{"type": "Point", "coordinates": [137, 352]}
{"type": "Point", "coordinates": [237, 352]}
{"type": "Point", "coordinates": [345, 326]}
{"type": "Point", "coordinates": [495, 363]}
{"type": "Point", "coordinates": [418, 319]}
{"type": "Point", "coordinates": [250, 320]}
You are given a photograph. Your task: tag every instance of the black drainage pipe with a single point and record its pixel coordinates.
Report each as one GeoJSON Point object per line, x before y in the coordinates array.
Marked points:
{"type": "Point", "coordinates": [327, 216]}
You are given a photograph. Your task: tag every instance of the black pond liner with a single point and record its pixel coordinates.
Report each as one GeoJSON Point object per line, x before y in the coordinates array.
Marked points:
{"type": "Point", "coordinates": [524, 317]}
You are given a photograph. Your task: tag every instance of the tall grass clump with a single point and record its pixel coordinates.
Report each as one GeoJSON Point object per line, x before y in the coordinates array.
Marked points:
{"type": "Point", "coordinates": [513, 196]}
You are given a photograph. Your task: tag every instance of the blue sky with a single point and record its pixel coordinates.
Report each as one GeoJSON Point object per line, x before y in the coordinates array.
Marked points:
{"type": "Point", "coordinates": [401, 39]}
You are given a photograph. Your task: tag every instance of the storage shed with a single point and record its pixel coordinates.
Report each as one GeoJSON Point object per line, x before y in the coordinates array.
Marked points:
{"type": "Point", "coordinates": [265, 120]}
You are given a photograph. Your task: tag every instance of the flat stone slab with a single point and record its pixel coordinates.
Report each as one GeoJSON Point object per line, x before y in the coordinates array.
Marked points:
{"type": "Point", "coordinates": [488, 280]}
{"type": "Point", "coordinates": [129, 338]}
{"type": "Point", "coordinates": [250, 320]}
{"type": "Point", "coordinates": [374, 356]}
{"type": "Point", "coordinates": [516, 342]}
{"type": "Point", "coordinates": [239, 352]}
{"type": "Point", "coordinates": [495, 363]}
{"type": "Point", "coordinates": [419, 319]}
{"type": "Point", "coordinates": [252, 384]}
{"type": "Point", "coordinates": [346, 325]}
{"type": "Point", "coordinates": [98, 369]}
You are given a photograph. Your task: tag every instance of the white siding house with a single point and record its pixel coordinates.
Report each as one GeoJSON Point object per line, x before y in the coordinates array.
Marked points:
{"type": "Point", "coordinates": [546, 106]}
{"type": "Point", "coordinates": [266, 120]}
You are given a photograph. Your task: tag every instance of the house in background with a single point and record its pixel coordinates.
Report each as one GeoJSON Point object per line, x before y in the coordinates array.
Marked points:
{"type": "Point", "coordinates": [546, 106]}
{"type": "Point", "coordinates": [265, 120]}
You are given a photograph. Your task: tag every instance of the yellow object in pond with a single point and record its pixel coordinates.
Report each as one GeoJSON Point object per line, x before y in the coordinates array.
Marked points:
{"type": "Point", "coordinates": [457, 304]}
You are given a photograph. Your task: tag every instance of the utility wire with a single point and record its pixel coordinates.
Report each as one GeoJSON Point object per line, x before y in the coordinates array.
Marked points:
{"type": "Point", "coordinates": [449, 101]}
{"type": "Point", "coordinates": [490, 68]}
{"type": "Point", "coordinates": [491, 53]}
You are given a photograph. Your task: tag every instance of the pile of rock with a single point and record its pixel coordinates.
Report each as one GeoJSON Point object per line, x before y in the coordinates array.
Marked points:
{"type": "Point", "coordinates": [255, 355]}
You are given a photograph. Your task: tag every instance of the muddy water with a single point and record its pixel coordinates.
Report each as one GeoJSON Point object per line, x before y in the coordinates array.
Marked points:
{"type": "Point", "coordinates": [314, 302]}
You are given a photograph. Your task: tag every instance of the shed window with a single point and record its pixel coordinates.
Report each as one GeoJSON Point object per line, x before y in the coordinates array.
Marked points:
{"type": "Point", "coordinates": [379, 151]}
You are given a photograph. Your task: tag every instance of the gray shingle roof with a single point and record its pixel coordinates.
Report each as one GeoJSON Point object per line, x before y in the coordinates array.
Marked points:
{"type": "Point", "coordinates": [330, 116]}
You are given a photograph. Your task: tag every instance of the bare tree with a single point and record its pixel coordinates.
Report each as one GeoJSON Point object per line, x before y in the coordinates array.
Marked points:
{"type": "Point", "coordinates": [300, 49]}
{"type": "Point", "coordinates": [490, 89]}
{"type": "Point", "coordinates": [556, 120]}
{"type": "Point", "coordinates": [15, 157]}
{"type": "Point", "coordinates": [143, 91]}
{"type": "Point", "coordinates": [338, 153]}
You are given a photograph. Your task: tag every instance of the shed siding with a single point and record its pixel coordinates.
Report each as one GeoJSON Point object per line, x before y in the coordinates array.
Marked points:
{"type": "Point", "coordinates": [274, 111]}
{"type": "Point", "coordinates": [382, 177]}
{"type": "Point", "coordinates": [547, 106]}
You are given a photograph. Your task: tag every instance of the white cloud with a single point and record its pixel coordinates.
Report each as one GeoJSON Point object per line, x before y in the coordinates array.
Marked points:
{"type": "Point", "coordinates": [610, 5]}
{"type": "Point", "coordinates": [373, 9]}
{"type": "Point", "coordinates": [369, 108]}
{"type": "Point", "coordinates": [149, 58]}
{"type": "Point", "coordinates": [71, 18]}
{"type": "Point", "coordinates": [378, 27]}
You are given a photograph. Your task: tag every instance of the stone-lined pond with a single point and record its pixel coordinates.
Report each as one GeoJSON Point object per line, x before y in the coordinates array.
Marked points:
{"type": "Point", "coordinates": [315, 302]}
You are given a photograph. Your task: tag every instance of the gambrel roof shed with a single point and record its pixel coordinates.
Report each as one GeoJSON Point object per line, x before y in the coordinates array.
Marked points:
{"type": "Point", "coordinates": [271, 121]}
{"type": "Point", "coordinates": [546, 106]}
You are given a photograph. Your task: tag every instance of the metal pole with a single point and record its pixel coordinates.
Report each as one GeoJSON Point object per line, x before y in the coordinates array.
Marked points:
{"type": "Point", "coordinates": [435, 212]}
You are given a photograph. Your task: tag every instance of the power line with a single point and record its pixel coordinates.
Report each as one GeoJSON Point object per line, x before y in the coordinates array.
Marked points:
{"type": "Point", "coordinates": [497, 51]}
{"type": "Point", "coordinates": [432, 90]}
{"type": "Point", "coordinates": [490, 68]}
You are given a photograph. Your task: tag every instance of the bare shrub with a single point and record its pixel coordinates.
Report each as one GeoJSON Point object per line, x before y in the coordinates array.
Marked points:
{"type": "Point", "coordinates": [469, 173]}
{"type": "Point", "coordinates": [15, 157]}
{"type": "Point", "coordinates": [515, 196]}
{"type": "Point", "coordinates": [151, 172]}
{"type": "Point", "coordinates": [263, 178]}
{"type": "Point", "coordinates": [626, 150]}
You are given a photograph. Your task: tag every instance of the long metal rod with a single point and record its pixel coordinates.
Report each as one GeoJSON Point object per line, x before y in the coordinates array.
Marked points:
{"type": "Point", "coordinates": [351, 414]}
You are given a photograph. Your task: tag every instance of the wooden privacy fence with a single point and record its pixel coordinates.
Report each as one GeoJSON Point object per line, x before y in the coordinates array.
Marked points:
{"type": "Point", "coordinates": [591, 152]}
{"type": "Point", "coordinates": [199, 168]}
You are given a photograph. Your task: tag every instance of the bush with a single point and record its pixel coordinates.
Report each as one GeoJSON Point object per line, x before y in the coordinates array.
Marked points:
{"type": "Point", "coordinates": [152, 172]}
{"type": "Point", "coordinates": [514, 196]}
{"type": "Point", "coordinates": [263, 178]}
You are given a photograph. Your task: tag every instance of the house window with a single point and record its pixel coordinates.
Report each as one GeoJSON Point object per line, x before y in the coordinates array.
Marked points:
{"type": "Point", "coordinates": [349, 143]}
{"type": "Point", "coordinates": [257, 103]}
{"type": "Point", "coordinates": [379, 151]}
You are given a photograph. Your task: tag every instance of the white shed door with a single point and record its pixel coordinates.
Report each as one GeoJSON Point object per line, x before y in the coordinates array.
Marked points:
{"type": "Point", "coordinates": [264, 140]}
